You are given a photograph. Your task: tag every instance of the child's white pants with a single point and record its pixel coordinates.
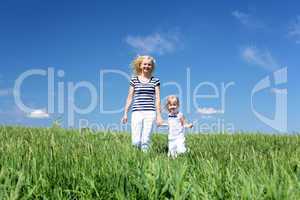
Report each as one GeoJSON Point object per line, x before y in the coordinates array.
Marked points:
{"type": "Point", "coordinates": [176, 146]}
{"type": "Point", "coordinates": [141, 128]}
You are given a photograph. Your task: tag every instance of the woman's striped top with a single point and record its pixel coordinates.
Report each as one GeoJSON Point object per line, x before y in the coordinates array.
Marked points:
{"type": "Point", "coordinates": [144, 94]}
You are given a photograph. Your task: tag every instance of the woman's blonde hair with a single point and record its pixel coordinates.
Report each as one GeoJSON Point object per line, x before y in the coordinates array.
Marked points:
{"type": "Point", "coordinates": [170, 99]}
{"type": "Point", "coordinates": [138, 61]}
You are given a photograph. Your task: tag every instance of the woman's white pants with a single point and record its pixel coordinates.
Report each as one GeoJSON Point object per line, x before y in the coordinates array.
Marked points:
{"type": "Point", "coordinates": [141, 128]}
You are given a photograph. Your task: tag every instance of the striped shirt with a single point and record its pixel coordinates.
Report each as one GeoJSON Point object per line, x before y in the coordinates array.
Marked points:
{"type": "Point", "coordinates": [144, 94]}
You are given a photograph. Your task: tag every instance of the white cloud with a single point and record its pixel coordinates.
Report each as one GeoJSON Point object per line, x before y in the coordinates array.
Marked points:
{"type": "Point", "coordinates": [157, 43]}
{"type": "Point", "coordinates": [247, 20]}
{"type": "Point", "coordinates": [38, 114]}
{"type": "Point", "coordinates": [209, 111]}
{"type": "Point", "coordinates": [276, 90]}
{"type": "Point", "coordinates": [294, 30]}
{"type": "Point", "coordinates": [6, 92]}
{"type": "Point", "coordinates": [258, 57]}
{"type": "Point", "coordinates": [12, 112]}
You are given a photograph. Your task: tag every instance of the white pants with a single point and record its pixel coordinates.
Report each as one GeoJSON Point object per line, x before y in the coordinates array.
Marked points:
{"type": "Point", "coordinates": [176, 146]}
{"type": "Point", "coordinates": [141, 128]}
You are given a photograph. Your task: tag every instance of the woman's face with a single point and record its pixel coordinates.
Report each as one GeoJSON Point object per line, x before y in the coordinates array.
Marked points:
{"type": "Point", "coordinates": [146, 66]}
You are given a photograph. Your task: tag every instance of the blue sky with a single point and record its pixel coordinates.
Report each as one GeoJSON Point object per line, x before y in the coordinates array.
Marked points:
{"type": "Point", "coordinates": [217, 42]}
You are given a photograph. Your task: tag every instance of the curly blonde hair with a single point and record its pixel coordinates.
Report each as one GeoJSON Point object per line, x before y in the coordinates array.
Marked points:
{"type": "Point", "coordinates": [138, 61]}
{"type": "Point", "coordinates": [170, 99]}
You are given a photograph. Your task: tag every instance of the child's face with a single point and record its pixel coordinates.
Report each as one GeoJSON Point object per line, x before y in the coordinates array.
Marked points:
{"type": "Point", "coordinates": [173, 106]}
{"type": "Point", "coordinates": [146, 66]}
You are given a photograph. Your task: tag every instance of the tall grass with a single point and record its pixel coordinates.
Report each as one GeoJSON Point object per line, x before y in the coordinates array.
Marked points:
{"type": "Point", "coordinates": [54, 163]}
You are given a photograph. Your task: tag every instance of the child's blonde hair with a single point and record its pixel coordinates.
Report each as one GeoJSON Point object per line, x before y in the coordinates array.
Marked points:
{"type": "Point", "coordinates": [170, 99]}
{"type": "Point", "coordinates": [138, 61]}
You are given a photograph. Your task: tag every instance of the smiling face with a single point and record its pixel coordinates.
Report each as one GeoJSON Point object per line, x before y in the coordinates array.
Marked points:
{"type": "Point", "coordinates": [143, 64]}
{"type": "Point", "coordinates": [146, 66]}
{"type": "Point", "coordinates": [173, 104]}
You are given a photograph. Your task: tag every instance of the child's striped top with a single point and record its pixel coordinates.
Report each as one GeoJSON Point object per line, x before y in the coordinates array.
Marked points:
{"type": "Point", "coordinates": [144, 94]}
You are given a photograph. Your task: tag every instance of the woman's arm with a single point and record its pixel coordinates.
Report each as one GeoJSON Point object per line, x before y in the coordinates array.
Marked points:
{"type": "Point", "coordinates": [128, 103]}
{"type": "Point", "coordinates": [159, 120]}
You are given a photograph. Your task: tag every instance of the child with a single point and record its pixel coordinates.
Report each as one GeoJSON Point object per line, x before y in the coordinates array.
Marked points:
{"type": "Point", "coordinates": [177, 123]}
{"type": "Point", "coordinates": [144, 91]}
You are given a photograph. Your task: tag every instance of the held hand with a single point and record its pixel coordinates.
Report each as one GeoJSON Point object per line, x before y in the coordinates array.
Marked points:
{"type": "Point", "coordinates": [124, 119]}
{"type": "Point", "coordinates": [159, 121]}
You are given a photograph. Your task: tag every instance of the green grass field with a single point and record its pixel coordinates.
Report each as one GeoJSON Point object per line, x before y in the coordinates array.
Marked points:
{"type": "Point", "coordinates": [55, 163]}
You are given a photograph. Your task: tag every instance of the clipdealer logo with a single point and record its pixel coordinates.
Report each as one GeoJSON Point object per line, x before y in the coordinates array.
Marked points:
{"type": "Point", "coordinates": [279, 122]}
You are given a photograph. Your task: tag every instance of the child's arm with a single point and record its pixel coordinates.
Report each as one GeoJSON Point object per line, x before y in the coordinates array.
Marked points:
{"type": "Point", "coordinates": [185, 123]}
{"type": "Point", "coordinates": [159, 119]}
{"type": "Point", "coordinates": [164, 123]}
{"type": "Point", "coordinates": [128, 103]}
